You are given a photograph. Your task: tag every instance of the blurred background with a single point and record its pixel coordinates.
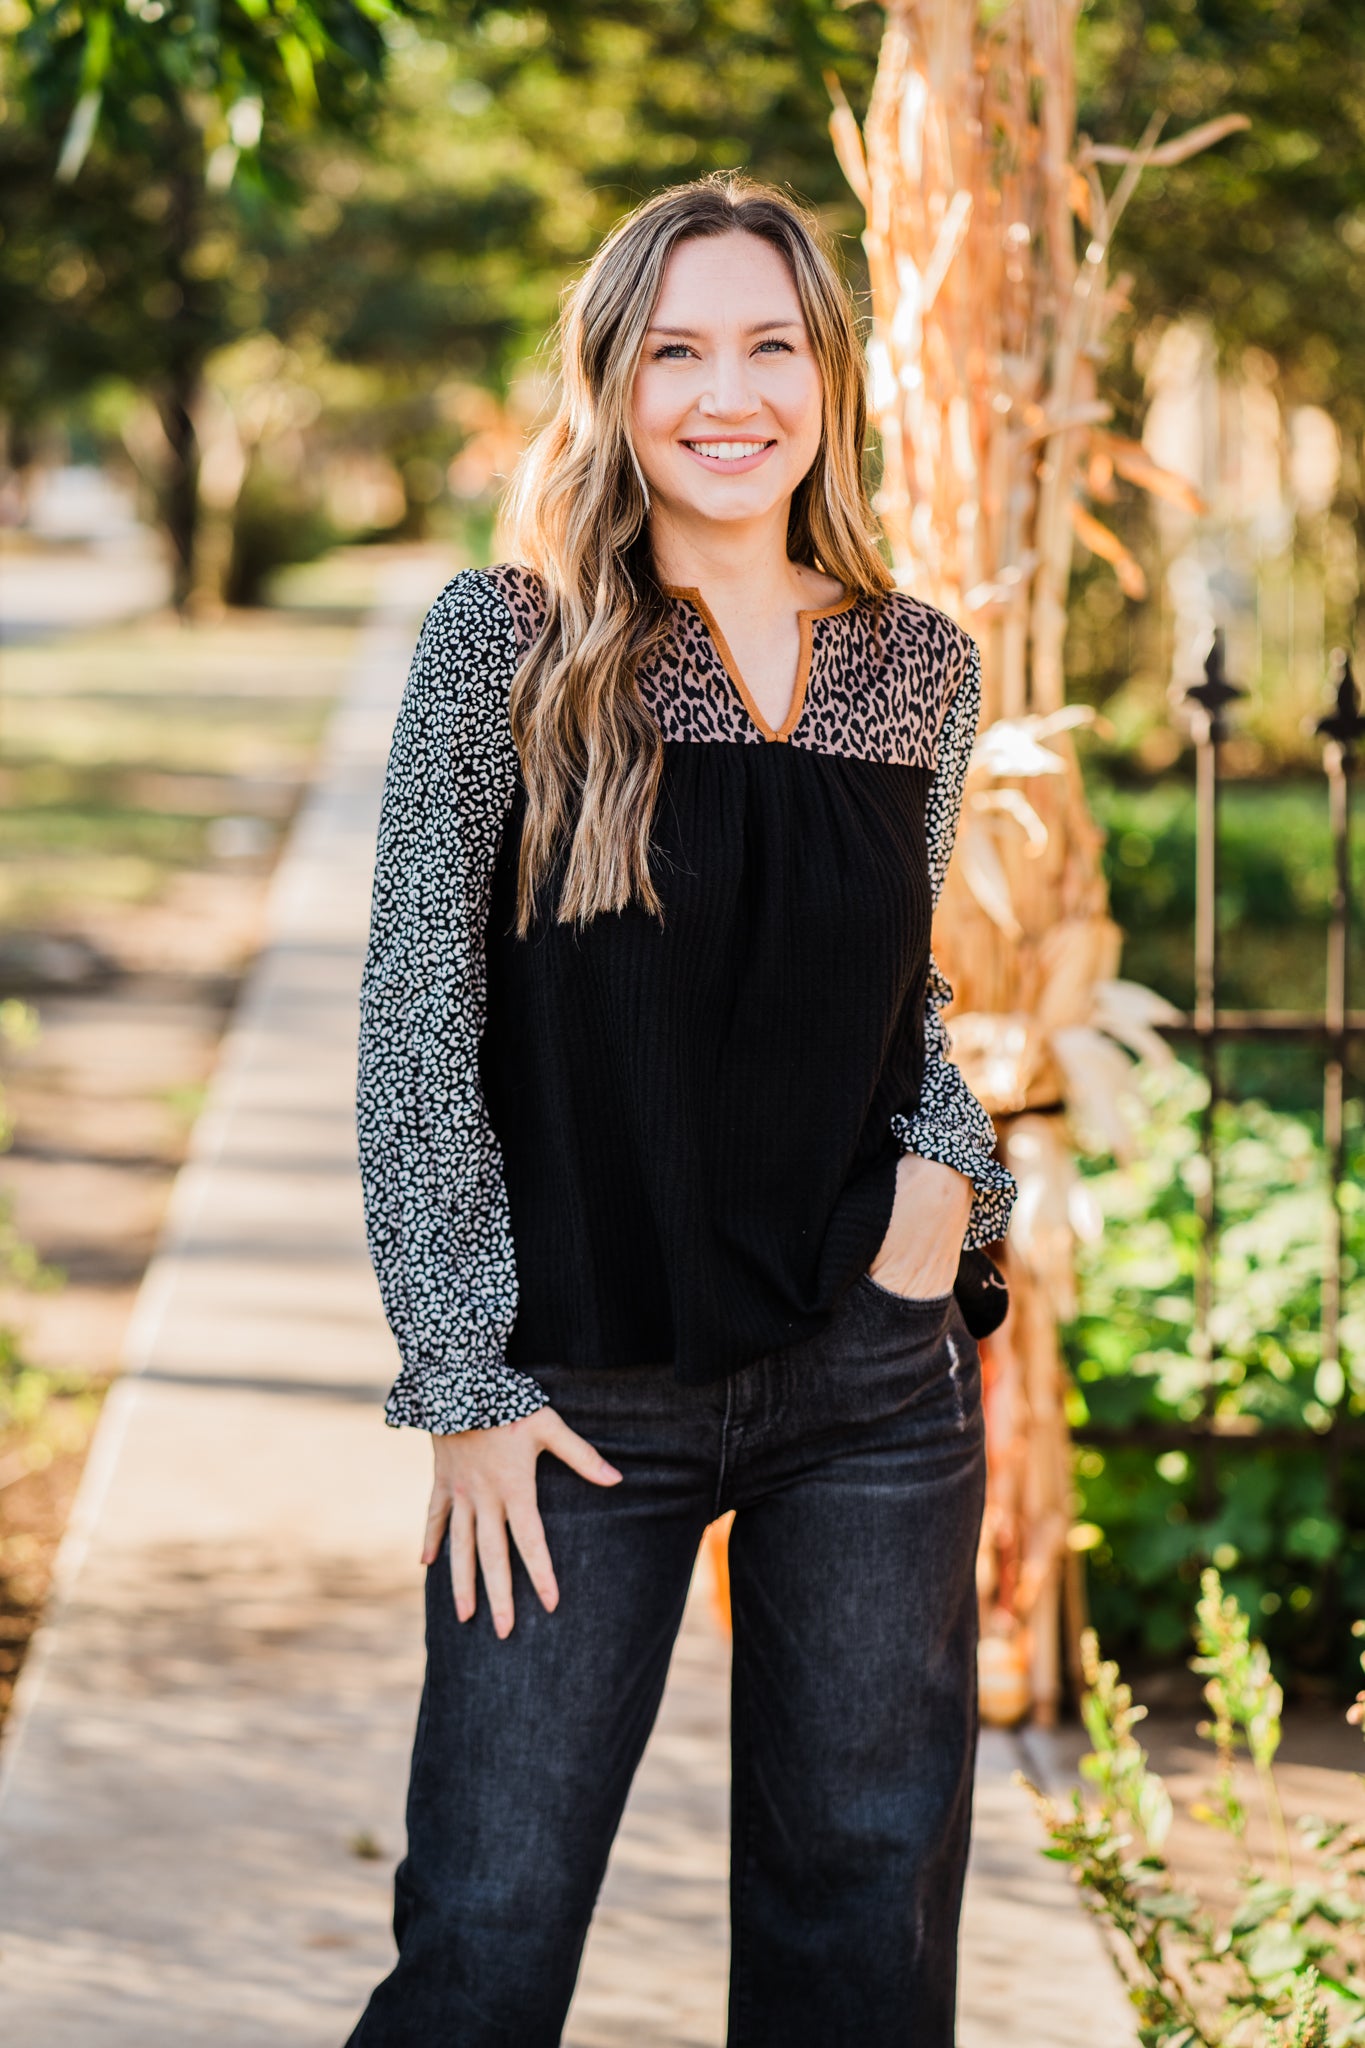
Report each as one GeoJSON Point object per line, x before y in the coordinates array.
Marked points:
{"type": "Point", "coordinates": [275, 282]}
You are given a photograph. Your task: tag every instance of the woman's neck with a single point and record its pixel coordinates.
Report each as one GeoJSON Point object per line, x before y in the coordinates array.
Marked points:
{"type": "Point", "coordinates": [732, 564]}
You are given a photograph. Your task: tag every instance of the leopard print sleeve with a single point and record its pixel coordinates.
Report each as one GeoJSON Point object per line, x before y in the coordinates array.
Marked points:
{"type": "Point", "coordinates": [949, 1124]}
{"type": "Point", "coordinates": [436, 1213]}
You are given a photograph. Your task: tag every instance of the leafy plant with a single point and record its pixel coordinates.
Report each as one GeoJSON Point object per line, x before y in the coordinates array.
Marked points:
{"type": "Point", "coordinates": [1286, 1968]}
{"type": "Point", "coordinates": [1292, 1550]}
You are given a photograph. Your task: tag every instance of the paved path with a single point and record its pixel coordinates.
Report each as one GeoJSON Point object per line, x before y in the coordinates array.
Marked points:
{"type": "Point", "coordinates": [47, 590]}
{"type": "Point", "coordinates": [203, 1779]}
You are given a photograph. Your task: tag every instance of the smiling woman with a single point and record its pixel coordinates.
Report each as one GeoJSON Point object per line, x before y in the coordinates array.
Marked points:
{"type": "Point", "coordinates": [726, 421]}
{"type": "Point", "coordinates": [667, 1170]}
{"type": "Point", "coordinates": [670, 340]}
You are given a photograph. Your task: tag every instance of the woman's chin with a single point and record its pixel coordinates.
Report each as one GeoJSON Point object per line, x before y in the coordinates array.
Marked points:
{"type": "Point", "coordinates": [724, 500]}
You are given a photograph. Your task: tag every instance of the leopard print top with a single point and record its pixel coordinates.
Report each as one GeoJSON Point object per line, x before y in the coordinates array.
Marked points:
{"type": "Point", "coordinates": [890, 681]}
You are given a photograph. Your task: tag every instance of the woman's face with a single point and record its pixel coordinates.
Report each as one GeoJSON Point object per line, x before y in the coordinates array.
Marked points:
{"type": "Point", "coordinates": [726, 412]}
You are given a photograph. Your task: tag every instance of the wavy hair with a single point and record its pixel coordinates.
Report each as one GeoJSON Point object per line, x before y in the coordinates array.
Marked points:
{"type": "Point", "coordinates": [577, 511]}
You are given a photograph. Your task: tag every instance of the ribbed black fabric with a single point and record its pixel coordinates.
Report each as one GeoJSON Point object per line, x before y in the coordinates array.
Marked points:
{"type": "Point", "coordinates": [695, 1121]}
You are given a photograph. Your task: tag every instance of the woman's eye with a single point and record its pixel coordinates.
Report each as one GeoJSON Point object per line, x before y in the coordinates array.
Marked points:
{"type": "Point", "coordinates": [773, 342]}
{"type": "Point", "coordinates": [667, 348]}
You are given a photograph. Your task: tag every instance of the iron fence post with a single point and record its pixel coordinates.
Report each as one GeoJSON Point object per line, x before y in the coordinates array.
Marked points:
{"type": "Point", "coordinates": [1210, 700]}
{"type": "Point", "coordinates": [1341, 729]}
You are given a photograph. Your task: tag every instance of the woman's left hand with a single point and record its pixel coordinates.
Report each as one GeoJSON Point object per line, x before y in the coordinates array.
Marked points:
{"type": "Point", "coordinates": [919, 1254]}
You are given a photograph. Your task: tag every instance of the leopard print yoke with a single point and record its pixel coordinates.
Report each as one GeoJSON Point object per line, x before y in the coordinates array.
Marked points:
{"type": "Point", "coordinates": [874, 678]}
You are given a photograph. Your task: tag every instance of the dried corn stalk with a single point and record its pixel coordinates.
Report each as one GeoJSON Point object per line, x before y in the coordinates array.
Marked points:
{"type": "Point", "coordinates": [988, 235]}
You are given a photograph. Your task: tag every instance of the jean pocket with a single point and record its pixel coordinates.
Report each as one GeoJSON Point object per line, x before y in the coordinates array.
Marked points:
{"type": "Point", "coordinates": [922, 1304]}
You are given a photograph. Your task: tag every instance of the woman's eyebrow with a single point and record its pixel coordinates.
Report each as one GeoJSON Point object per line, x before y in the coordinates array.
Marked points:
{"type": "Point", "coordinates": [693, 333]}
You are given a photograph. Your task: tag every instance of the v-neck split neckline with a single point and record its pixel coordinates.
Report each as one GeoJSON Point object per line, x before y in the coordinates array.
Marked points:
{"type": "Point", "coordinates": [805, 626]}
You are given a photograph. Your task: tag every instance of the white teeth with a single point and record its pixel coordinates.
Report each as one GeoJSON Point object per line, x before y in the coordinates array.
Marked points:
{"type": "Point", "coordinates": [727, 451]}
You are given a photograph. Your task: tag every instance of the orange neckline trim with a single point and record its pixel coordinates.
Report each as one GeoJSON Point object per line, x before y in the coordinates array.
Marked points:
{"type": "Point", "coordinates": [805, 620]}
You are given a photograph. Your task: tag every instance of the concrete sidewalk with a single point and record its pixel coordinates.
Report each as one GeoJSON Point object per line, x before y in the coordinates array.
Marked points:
{"type": "Point", "coordinates": [202, 1790]}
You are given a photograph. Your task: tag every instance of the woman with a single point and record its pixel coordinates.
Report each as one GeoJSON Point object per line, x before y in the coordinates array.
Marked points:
{"type": "Point", "coordinates": [667, 1171]}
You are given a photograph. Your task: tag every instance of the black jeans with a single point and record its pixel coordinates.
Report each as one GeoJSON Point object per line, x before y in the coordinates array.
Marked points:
{"type": "Point", "coordinates": [855, 1462]}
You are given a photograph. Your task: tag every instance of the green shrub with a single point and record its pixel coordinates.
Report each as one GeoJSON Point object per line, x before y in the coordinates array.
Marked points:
{"type": "Point", "coordinates": [275, 524]}
{"type": "Point", "coordinates": [1289, 1542]}
{"type": "Point", "coordinates": [1275, 884]}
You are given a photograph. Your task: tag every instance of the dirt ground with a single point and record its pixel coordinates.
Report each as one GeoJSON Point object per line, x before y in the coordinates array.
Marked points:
{"type": "Point", "coordinates": [102, 1105]}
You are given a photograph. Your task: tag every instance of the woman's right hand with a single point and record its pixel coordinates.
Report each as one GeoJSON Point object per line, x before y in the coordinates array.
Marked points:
{"type": "Point", "coordinates": [485, 1484]}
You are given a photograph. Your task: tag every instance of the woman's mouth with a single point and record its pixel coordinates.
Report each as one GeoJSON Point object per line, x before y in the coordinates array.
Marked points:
{"type": "Point", "coordinates": [729, 455]}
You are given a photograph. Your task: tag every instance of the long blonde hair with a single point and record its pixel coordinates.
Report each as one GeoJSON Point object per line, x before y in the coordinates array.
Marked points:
{"type": "Point", "coordinates": [577, 512]}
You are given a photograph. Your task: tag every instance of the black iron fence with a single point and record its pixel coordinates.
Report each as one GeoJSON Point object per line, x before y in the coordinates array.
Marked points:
{"type": "Point", "coordinates": [1210, 1027]}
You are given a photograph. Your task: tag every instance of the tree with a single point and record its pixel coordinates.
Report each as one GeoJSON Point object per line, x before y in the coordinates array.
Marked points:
{"type": "Point", "coordinates": [125, 131]}
{"type": "Point", "coordinates": [419, 234]}
{"type": "Point", "coordinates": [1265, 239]}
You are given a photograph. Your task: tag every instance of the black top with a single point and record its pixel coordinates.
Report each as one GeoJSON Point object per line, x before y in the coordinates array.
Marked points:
{"type": "Point", "coordinates": [672, 1145]}
{"type": "Point", "coordinates": [696, 1121]}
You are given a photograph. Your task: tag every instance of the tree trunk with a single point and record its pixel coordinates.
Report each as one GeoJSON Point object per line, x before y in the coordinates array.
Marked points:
{"type": "Point", "coordinates": [178, 391]}
{"type": "Point", "coordinates": [180, 492]}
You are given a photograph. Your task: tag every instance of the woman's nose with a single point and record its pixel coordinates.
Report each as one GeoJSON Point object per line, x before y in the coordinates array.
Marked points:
{"type": "Point", "coordinates": [731, 395]}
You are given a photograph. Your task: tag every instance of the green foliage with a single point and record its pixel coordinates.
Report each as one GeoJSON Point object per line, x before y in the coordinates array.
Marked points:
{"type": "Point", "coordinates": [122, 128]}
{"type": "Point", "coordinates": [414, 235]}
{"type": "Point", "coordinates": [1260, 239]}
{"type": "Point", "coordinates": [1117, 1763]}
{"type": "Point", "coordinates": [100, 71]}
{"type": "Point", "coordinates": [1263, 233]}
{"type": "Point", "coordinates": [1284, 1968]}
{"type": "Point", "coordinates": [1265, 1516]}
{"type": "Point", "coordinates": [126, 263]}
{"type": "Point", "coordinates": [276, 523]}
{"type": "Point", "coordinates": [1245, 1701]}
{"type": "Point", "coordinates": [513, 141]}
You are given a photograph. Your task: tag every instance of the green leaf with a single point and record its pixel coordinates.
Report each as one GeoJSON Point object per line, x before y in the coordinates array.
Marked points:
{"type": "Point", "coordinates": [1342, 1989]}
{"type": "Point", "coordinates": [98, 43]}
{"type": "Point", "coordinates": [1177, 1906]}
{"type": "Point", "coordinates": [79, 135]}
{"type": "Point", "coordinates": [1276, 1951]}
{"type": "Point", "coordinates": [1261, 1903]}
{"type": "Point", "coordinates": [298, 69]}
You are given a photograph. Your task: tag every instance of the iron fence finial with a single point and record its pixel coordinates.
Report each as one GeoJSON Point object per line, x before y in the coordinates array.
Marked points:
{"type": "Point", "coordinates": [1345, 725]}
{"type": "Point", "coordinates": [1215, 693]}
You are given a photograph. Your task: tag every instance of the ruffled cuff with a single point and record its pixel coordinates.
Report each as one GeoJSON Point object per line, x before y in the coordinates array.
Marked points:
{"type": "Point", "coordinates": [462, 1397]}
{"type": "Point", "coordinates": [959, 1144]}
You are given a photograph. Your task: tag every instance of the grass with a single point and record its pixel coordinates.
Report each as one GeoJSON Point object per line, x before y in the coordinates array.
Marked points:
{"type": "Point", "coordinates": [123, 753]}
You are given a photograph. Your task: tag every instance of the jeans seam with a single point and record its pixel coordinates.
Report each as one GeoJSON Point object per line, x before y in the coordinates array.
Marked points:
{"type": "Point", "coordinates": [717, 1502]}
{"type": "Point", "coordinates": [737, 2031]}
